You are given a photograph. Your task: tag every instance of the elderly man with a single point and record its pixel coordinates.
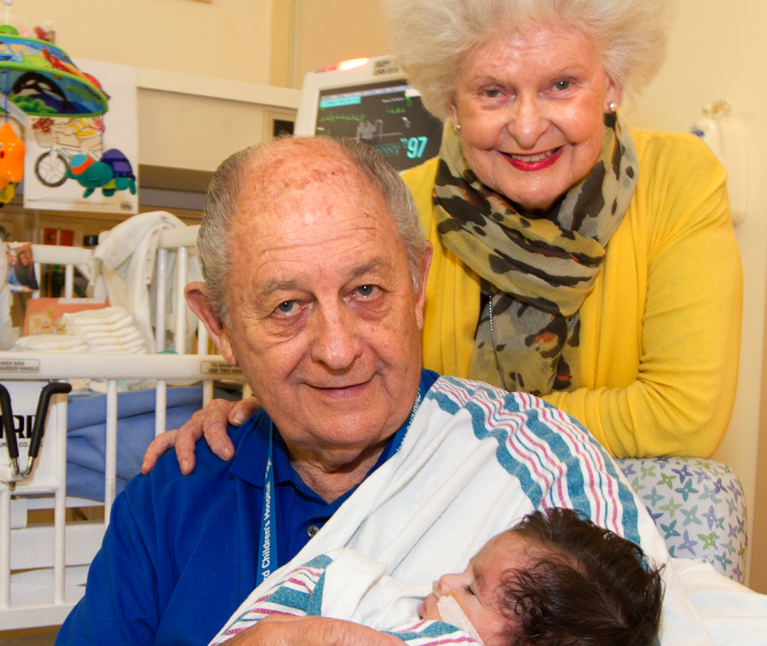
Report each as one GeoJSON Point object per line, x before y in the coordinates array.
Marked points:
{"type": "Point", "coordinates": [314, 266]}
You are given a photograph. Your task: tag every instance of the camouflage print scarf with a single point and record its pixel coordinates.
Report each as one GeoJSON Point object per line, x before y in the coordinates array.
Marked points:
{"type": "Point", "coordinates": [536, 269]}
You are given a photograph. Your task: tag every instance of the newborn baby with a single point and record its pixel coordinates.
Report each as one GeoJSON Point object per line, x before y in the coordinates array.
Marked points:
{"type": "Point", "coordinates": [552, 579]}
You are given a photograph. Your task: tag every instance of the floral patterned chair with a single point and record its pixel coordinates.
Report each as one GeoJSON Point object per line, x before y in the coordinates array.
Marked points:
{"type": "Point", "coordinates": [698, 507]}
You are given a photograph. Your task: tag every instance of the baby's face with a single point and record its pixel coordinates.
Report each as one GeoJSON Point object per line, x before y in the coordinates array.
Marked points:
{"type": "Point", "coordinates": [476, 587]}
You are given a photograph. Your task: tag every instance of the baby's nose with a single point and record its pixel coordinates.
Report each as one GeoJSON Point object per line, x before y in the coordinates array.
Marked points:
{"type": "Point", "coordinates": [444, 585]}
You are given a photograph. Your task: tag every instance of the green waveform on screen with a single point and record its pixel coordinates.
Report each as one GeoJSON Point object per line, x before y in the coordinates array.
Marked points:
{"type": "Point", "coordinates": [387, 150]}
{"type": "Point", "coordinates": [341, 117]}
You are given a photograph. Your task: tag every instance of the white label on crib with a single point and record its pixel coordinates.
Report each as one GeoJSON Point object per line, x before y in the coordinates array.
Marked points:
{"type": "Point", "coordinates": [19, 365]}
{"type": "Point", "coordinates": [218, 368]}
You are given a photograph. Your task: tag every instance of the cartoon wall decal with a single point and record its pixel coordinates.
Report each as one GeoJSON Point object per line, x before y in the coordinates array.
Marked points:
{"type": "Point", "coordinates": [69, 158]}
{"type": "Point", "coordinates": [64, 138]}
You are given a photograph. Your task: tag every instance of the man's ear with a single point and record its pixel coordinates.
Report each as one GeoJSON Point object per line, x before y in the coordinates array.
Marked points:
{"type": "Point", "coordinates": [200, 305]}
{"type": "Point", "coordinates": [421, 295]}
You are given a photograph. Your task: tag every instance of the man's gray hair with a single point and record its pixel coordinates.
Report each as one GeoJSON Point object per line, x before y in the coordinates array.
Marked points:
{"type": "Point", "coordinates": [430, 38]}
{"type": "Point", "coordinates": [224, 193]}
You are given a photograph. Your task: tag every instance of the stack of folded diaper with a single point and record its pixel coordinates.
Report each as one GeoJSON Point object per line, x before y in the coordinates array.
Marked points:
{"type": "Point", "coordinates": [50, 343]}
{"type": "Point", "coordinates": [110, 329]}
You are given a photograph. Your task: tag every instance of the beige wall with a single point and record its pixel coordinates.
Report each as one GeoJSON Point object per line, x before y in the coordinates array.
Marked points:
{"type": "Point", "coordinates": [227, 39]}
{"type": "Point", "coordinates": [331, 31]}
{"type": "Point", "coordinates": [281, 41]}
{"type": "Point", "coordinates": [241, 40]}
{"type": "Point", "coordinates": [192, 132]}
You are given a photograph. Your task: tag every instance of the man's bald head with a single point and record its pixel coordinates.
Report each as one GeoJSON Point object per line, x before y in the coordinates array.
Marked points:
{"type": "Point", "coordinates": [267, 173]}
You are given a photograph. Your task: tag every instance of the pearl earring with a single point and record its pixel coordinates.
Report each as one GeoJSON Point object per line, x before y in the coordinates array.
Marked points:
{"type": "Point", "coordinates": [613, 106]}
{"type": "Point", "coordinates": [457, 127]}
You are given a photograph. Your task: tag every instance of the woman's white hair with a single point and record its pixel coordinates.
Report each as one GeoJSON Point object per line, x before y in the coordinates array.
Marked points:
{"type": "Point", "coordinates": [430, 38]}
{"type": "Point", "coordinates": [239, 169]}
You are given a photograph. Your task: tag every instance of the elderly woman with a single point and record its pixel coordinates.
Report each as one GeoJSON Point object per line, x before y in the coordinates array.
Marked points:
{"type": "Point", "coordinates": [574, 258]}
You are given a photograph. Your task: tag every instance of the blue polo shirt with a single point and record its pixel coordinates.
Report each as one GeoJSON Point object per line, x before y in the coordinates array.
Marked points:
{"type": "Point", "coordinates": [180, 553]}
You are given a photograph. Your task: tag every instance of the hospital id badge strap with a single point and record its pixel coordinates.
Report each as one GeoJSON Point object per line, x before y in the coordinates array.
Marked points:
{"type": "Point", "coordinates": [267, 553]}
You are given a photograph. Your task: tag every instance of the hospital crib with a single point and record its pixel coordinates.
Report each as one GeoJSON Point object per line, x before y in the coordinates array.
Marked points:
{"type": "Point", "coordinates": [43, 566]}
{"type": "Point", "coordinates": [698, 505]}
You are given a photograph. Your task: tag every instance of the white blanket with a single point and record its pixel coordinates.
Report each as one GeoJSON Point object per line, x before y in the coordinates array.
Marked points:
{"type": "Point", "coordinates": [124, 264]}
{"type": "Point", "coordinates": [473, 463]}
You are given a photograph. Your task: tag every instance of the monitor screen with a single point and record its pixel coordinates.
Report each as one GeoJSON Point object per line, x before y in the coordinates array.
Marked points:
{"type": "Point", "coordinates": [387, 115]}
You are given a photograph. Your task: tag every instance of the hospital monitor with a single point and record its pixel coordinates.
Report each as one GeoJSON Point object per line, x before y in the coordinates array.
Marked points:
{"type": "Point", "coordinates": [369, 100]}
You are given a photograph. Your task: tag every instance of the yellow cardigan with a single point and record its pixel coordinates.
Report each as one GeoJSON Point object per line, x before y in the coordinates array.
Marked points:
{"type": "Point", "coordinates": [660, 332]}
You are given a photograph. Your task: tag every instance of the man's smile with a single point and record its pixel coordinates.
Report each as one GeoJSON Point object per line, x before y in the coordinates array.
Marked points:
{"type": "Point", "coordinates": [343, 390]}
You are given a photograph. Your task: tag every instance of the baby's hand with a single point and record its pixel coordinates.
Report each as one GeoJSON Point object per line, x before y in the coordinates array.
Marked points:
{"type": "Point", "coordinates": [428, 609]}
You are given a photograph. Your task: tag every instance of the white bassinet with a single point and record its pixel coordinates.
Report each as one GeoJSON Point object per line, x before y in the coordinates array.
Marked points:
{"type": "Point", "coordinates": [43, 565]}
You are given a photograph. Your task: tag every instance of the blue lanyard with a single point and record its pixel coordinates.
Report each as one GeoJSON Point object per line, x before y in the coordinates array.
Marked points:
{"type": "Point", "coordinates": [267, 552]}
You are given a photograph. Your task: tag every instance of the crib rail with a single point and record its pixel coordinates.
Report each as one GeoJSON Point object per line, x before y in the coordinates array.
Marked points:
{"type": "Point", "coordinates": [69, 257]}
{"type": "Point", "coordinates": [36, 366]}
{"type": "Point", "coordinates": [43, 566]}
{"type": "Point", "coordinates": [57, 555]}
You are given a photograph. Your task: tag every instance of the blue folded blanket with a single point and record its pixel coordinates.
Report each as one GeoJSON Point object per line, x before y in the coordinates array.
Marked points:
{"type": "Point", "coordinates": [86, 435]}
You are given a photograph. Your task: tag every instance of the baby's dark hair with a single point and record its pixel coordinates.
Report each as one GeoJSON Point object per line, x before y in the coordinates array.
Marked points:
{"type": "Point", "coordinates": [587, 587]}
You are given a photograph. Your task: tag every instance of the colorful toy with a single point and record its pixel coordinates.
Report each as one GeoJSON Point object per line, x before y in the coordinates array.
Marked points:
{"type": "Point", "coordinates": [122, 169]}
{"type": "Point", "coordinates": [113, 173]}
{"type": "Point", "coordinates": [11, 156]}
{"type": "Point", "coordinates": [42, 80]}
{"type": "Point", "coordinates": [7, 194]}
{"type": "Point", "coordinates": [39, 79]}
{"type": "Point", "coordinates": [89, 173]}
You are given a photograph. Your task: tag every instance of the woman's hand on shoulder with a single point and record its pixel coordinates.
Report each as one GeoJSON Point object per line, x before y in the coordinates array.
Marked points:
{"type": "Point", "coordinates": [211, 422]}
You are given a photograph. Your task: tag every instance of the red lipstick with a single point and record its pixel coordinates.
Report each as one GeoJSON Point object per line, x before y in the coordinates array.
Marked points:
{"type": "Point", "coordinates": [538, 163]}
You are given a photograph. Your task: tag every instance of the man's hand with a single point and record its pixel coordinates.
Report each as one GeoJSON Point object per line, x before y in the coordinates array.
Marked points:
{"type": "Point", "coordinates": [211, 422]}
{"type": "Point", "coordinates": [283, 630]}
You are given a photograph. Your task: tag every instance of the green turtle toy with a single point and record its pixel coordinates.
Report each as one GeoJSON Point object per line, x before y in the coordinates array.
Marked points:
{"type": "Point", "coordinates": [112, 173]}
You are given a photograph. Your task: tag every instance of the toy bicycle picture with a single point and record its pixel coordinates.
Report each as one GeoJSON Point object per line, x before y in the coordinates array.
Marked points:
{"type": "Point", "coordinates": [65, 138]}
{"type": "Point", "coordinates": [76, 153]}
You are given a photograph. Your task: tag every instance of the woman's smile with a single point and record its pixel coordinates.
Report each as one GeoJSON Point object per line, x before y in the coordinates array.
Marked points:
{"type": "Point", "coordinates": [534, 162]}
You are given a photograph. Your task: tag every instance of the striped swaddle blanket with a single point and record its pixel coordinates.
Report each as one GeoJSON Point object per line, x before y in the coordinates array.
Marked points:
{"type": "Point", "coordinates": [300, 592]}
